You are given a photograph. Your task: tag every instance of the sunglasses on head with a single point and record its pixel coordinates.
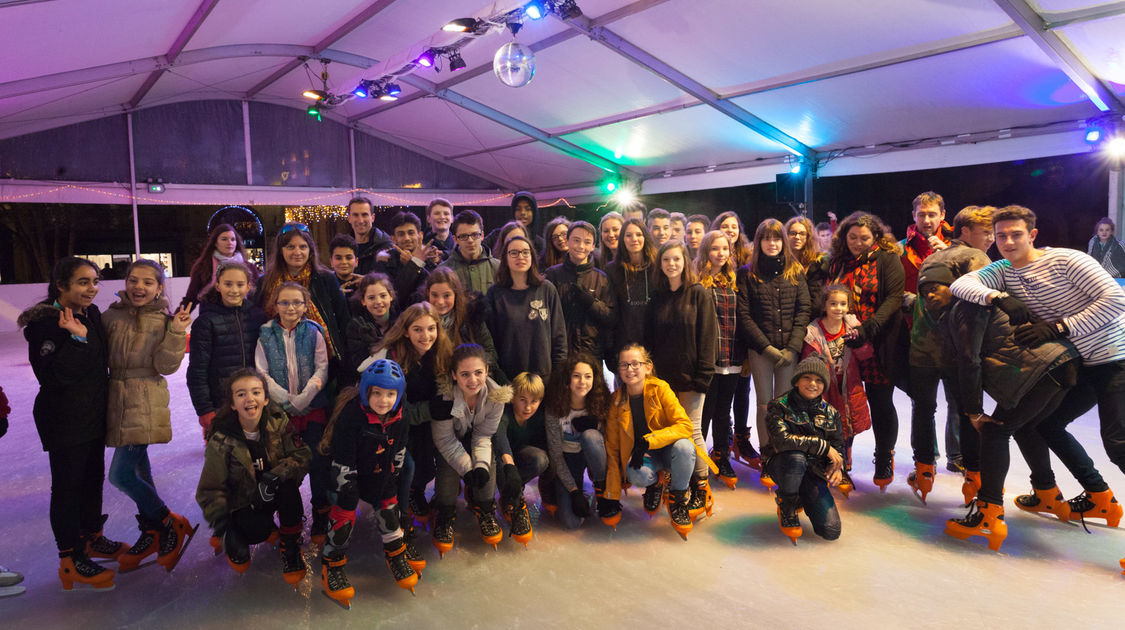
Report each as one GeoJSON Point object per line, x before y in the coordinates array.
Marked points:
{"type": "Point", "coordinates": [289, 227]}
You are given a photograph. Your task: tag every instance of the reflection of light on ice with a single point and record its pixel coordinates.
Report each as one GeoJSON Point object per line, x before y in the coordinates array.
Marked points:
{"type": "Point", "coordinates": [893, 567]}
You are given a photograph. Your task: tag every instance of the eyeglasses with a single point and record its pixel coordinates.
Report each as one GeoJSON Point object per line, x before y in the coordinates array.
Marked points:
{"type": "Point", "coordinates": [288, 304]}
{"type": "Point", "coordinates": [519, 253]}
{"type": "Point", "coordinates": [631, 365]}
{"type": "Point", "coordinates": [289, 227]}
{"type": "Point", "coordinates": [471, 236]}
{"type": "Point", "coordinates": [559, 236]}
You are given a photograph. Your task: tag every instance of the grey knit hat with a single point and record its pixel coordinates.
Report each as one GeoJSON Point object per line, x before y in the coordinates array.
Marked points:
{"type": "Point", "coordinates": [812, 364]}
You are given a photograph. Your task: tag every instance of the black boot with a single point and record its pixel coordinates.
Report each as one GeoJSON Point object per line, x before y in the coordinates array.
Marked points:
{"type": "Point", "coordinates": [237, 549]}
{"type": "Point", "coordinates": [787, 505]}
{"type": "Point", "coordinates": [520, 520]}
{"type": "Point", "coordinates": [678, 511]}
{"type": "Point", "coordinates": [443, 529]}
{"type": "Point", "coordinates": [490, 530]}
{"type": "Point", "coordinates": [654, 495]}
{"type": "Point", "coordinates": [292, 561]}
{"type": "Point", "coordinates": [98, 546]}
{"type": "Point", "coordinates": [395, 552]}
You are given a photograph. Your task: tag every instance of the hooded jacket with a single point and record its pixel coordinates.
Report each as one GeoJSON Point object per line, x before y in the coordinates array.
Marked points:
{"type": "Point", "coordinates": [988, 357]}
{"type": "Point", "coordinates": [70, 408]}
{"type": "Point", "coordinates": [223, 339]}
{"type": "Point", "coordinates": [229, 480]}
{"type": "Point", "coordinates": [926, 348]}
{"type": "Point", "coordinates": [464, 437]}
{"type": "Point", "coordinates": [475, 275]}
{"type": "Point", "coordinates": [533, 230]}
{"type": "Point", "coordinates": [142, 350]}
{"type": "Point", "coordinates": [585, 297]}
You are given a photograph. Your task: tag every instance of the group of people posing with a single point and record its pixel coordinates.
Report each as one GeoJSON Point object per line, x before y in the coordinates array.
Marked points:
{"type": "Point", "coordinates": [427, 361]}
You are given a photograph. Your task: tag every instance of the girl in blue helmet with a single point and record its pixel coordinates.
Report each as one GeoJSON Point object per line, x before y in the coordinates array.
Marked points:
{"type": "Point", "coordinates": [368, 445]}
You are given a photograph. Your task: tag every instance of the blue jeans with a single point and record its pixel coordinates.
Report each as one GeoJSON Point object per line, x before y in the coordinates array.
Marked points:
{"type": "Point", "coordinates": [678, 458]}
{"type": "Point", "coordinates": [131, 473]}
{"type": "Point", "coordinates": [592, 459]}
{"type": "Point", "coordinates": [790, 471]}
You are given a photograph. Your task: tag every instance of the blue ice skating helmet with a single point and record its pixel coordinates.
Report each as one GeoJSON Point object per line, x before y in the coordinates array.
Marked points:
{"type": "Point", "coordinates": [385, 374]}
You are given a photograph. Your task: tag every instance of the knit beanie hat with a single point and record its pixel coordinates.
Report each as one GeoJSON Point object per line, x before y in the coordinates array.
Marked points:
{"type": "Point", "coordinates": [812, 364]}
{"type": "Point", "coordinates": [936, 274]}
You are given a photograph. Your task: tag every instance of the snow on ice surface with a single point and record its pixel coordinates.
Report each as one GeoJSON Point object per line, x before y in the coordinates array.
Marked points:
{"type": "Point", "coordinates": [893, 566]}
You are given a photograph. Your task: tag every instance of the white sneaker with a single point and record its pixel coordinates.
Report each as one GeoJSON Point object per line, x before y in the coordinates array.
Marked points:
{"type": "Point", "coordinates": [10, 578]}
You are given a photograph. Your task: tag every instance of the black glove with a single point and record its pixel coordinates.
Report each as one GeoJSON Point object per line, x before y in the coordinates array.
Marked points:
{"type": "Point", "coordinates": [1016, 310]}
{"type": "Point", "coordinates": [640, 447]}
{"type": "Point", "coordinates": [578, 504]}
{"type": "Point", "coordinates": [511, 485]}
{"type": "Point", "coordinates": [608, 507]}
{"type": "Point", "coordinates": [584, 423]}
{"type": "Point", "coordinates": [582, 296]}
{"type": "Point", "coordinates": [858, 339]}
{"type": "Point", "coordinates": [267, 491]}
{"type": "Point", "coordinates": [477, 478]}
{"type": "Point", "coordinates": [3, 426]}
{"type": "Point", "coordinates": [441, 409]}
{"type": "Point", "coordinates": [1037, 333]}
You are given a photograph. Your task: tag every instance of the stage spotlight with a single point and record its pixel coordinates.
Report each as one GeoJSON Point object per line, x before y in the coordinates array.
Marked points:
{"type": "Point", "coordinates": [567, 9]}
{"type": "Point", "coordinates": [460, 25]}
{"type": "Point", "coordinates": [1116, 147]}
{"type": "Point", "coordinates": [361, 90]}
{"type": "Point", "coordinates": [535, 9]}
{"type": "Point", "coordinates": [313, 110]}
{"type": "Point", "coordinates": [316, 95]}
{"type": "Point", "coordinates": [796, 168]}
{"type": "Point", "coordinates": [390, 92]}
{"type": "Point", "coordinates": [1093, 134]}
{"type": "Point", "coordinates": [426, 59]}
{"type": "Point", "coordinates": [624, 197]}
{"type": "Point", "coordinates": [455, 61]}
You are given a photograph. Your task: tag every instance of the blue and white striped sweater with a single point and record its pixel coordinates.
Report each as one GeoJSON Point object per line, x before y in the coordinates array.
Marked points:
{"type": "Point", "coordinates": [1061, 284]}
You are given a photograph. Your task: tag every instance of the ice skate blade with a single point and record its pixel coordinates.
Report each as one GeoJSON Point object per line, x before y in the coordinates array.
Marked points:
{"type": "Point", "coordinates": [345, 603]}
{"type": "Point", "coordinates": [171, 563]}
{"type": "Point", "coordinates": [82, 586]}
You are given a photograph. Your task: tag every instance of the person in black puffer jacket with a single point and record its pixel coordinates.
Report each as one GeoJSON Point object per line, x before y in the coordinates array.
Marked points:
{"type": "Point", "coordinates": [223, 339]}
{"type": "Point", "coordinates": [773, 314]}
{"type": "Point", "coordinates": [373, 313]}
{"type": "Point", "coordinates": [67, 349]}
{"type": "Point", "coordinates": [583, 291]}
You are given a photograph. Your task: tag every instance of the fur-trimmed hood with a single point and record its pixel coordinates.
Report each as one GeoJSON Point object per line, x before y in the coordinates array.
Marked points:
{"type": "Point", "coordinates": [496, 393]}
{"type": "Point", "coordinates": [36, 312]}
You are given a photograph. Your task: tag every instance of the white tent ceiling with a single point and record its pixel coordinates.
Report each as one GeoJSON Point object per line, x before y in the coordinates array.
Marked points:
{"type": "Point", "coordinates": [678, 93]}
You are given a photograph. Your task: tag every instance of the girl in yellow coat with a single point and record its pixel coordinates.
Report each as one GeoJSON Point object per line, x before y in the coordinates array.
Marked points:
{"type": "Point", "coordinates": [145, 343]}
{"type": "Point", "coordinates": [647, 453]}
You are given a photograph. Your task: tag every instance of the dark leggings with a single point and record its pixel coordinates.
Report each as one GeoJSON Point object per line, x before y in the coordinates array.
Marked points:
{"type": "Point", "coordinates": [884, 418]}
{"type": "Point", "coordinates": [716, 409]}
{"type": "Point", "coordinates": [1103, 385]}
{"type": "Point", "coordinates": [923, 430]}
{"type": "Point", "coordinates": [320, 467]}
{"type": "Point", "coordinates": [77, 476]}
{"type": "Point", "coordinates": [790, 471]}
{"type": "Point", "coordinates": [422, 451]}
{"type": "Point", "coordinates": [1036, 430]}
{"type": "Point", "coordinates": [257, 525]}
{"type": "Point", "coordinates": [742, 404]}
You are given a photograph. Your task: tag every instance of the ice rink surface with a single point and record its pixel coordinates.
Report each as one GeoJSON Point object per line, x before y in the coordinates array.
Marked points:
{"type": "Point", "coordinates": [892, 568]}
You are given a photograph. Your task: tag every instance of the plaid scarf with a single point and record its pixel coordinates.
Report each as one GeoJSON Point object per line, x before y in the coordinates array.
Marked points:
{"type": "Point", "coordinates": [311, 311]}
{"type": "Point", "coordinates": [862, 275]}
{"type": "Point", "coordinates": [726, 304]}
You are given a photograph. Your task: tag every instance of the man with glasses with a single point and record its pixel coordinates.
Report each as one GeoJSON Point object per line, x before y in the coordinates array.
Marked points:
{"type": "Point", "coordinates": [471, 260]}
{"type": "Point", "coordinates": [369, 239]}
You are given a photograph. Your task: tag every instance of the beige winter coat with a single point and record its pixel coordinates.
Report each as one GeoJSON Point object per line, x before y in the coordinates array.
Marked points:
{"type": "Point", "coordinates": [141, 350]}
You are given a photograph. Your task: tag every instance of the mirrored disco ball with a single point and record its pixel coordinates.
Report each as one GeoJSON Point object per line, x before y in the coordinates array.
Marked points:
{"type": "Point", "coordinates": [514, 64]}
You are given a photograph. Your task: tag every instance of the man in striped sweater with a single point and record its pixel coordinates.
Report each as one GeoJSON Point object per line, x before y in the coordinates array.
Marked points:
{"type": "Point", "coordinates": [1052, 293]}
